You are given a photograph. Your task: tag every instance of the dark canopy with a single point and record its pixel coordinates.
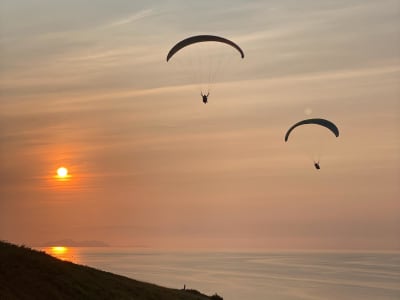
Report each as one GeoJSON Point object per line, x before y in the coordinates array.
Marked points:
{"type": "Point", "coordinates": [328, 124]}
{"type": "Point", "coordinates": [199, 39]}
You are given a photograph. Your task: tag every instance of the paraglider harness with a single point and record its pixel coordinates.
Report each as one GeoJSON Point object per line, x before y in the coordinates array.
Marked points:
{"type": "Point", "coordinates": [205, 97]}
{"type": "Point", "coordinates": [316, 165]}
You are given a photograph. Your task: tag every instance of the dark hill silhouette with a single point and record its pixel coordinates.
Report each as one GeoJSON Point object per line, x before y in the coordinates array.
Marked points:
{"type": "Point", "coordinates": [31, 274]}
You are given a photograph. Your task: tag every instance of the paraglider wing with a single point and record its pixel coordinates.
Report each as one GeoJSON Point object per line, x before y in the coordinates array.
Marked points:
{"type": "Point", "coordinates": [199, 39]}
{"type": "Point", "coordinates": [328, 124]}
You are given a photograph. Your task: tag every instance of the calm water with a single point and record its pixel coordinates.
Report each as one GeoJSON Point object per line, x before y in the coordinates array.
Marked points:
{"type": "Point", "coordinates": [255, 276]}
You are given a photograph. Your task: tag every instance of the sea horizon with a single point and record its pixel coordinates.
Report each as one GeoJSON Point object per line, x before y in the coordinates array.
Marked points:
{"type": "Point", "coordinates": [256, 275]}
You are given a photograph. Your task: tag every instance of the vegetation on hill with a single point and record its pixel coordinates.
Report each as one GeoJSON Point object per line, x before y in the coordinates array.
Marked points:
{"type": "Point", "coordinates": [30, 274]}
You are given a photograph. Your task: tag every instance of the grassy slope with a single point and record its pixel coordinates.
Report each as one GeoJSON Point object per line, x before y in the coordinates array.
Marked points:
{"type": "Point", "coordinates": [31, 274]}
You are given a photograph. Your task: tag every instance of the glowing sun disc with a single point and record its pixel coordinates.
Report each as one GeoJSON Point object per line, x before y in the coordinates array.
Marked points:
{"type": "Point", "coordinates": [62, 172]}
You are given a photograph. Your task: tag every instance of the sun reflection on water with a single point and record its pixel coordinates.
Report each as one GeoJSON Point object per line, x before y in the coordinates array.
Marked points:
{"type": "Point", "coordinates": [63, 253]}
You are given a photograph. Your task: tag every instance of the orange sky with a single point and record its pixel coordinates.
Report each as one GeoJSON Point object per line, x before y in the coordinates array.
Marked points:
{"type": "Point", "coordinates": [150, 165]}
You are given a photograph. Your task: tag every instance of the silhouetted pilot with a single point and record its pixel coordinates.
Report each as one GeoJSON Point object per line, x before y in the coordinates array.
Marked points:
{"type": "Point", "coordinates": [316, 165]}
{"type": "Point", "coordinates": [205, 97]}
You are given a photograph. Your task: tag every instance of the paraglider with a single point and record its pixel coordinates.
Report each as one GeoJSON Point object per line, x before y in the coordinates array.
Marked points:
{"type": "Point", "coordinates": [317, 121]}
{"type": "Point", "coordinates": [206, 65]}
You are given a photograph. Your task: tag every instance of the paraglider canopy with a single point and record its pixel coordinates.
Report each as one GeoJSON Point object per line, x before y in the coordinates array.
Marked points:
{"type": "Point", "coordinates": [202, 38]}
{"type": "Point", "coordinates": [322, 122]}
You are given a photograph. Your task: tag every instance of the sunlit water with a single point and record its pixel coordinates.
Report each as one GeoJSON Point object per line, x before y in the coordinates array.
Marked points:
{"type": "Point", "coordinates": [256, 276]}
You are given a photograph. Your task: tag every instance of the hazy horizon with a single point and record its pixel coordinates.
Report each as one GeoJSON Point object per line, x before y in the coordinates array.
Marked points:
{"type": "Point", "coordinates": [88, 88]}
{"type": "Point", "coordinates": [290, 275]}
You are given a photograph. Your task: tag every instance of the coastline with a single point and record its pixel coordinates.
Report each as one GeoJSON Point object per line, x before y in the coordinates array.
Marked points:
{"type": "Point", "coordinates": [26, 273]}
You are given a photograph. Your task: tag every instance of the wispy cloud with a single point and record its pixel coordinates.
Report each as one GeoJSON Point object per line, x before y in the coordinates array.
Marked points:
{"type": "Point", "coordinates": [132, 18]}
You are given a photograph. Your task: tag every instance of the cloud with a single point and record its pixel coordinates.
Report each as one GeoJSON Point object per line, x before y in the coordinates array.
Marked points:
{"type": "Point", "coordinates": [132, 18]}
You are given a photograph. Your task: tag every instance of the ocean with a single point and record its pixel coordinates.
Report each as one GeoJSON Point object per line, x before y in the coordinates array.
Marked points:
{"type": "Point", "coordinates": [287, 275]}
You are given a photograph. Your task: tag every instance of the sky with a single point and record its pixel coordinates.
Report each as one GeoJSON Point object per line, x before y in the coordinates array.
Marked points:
{"type": "Point", "coordinates": [88, 87]}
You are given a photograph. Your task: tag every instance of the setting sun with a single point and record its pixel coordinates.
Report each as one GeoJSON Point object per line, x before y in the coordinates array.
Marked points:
{"type": "Point", "coordinates": [62, 172]}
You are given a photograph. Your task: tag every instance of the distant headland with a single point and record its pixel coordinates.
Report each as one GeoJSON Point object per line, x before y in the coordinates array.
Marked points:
{"type": "Point", "coordinates": [73, 243]}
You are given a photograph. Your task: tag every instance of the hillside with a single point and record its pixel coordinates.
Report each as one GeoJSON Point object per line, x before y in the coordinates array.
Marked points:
{"type": "Point", "coordinates": [31, 274]}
